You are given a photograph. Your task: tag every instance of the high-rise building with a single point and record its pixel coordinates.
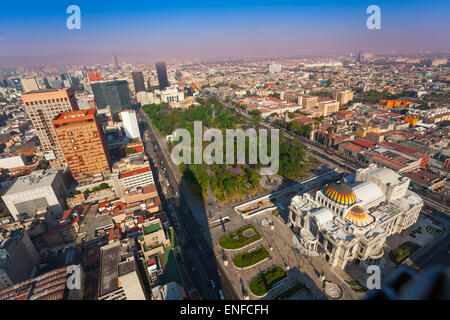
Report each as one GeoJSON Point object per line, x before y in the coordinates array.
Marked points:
{"type": "Point", "coordinates": [83, 142]}
{"type": "Point", "coordinates": [38, 190]}
{"type": "Point", "coordinates": [66, 80]}
{"type": "Point", "coordinates": [358, 59]}
{"type": "Point", "coordinates": [18, 258]}
{"type": "Point", "coordinates": [115, 63]}
{"type": "Point", "coordinates": [130, 124]}
{"type": "Point", "coordinates": [2, 80]}
{"type": "Point", "coordinates": [29, 84]}
{"type": "Point", "coordinates": [94, 76]}
{"type": "Point", "coordinates": [42, 107]}
{"type": "Point", "coordinates": [138, 79]}
{"type": "Point", "coordinates": [113, 93]}
{"type": "Point", "coordinates": [162, 75]}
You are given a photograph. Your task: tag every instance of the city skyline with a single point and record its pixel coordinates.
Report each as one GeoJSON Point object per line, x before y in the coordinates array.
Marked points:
{"type": "Point", "coordinates": [219, 30]}
{"type": "Point", "coordinates": [241, 151]}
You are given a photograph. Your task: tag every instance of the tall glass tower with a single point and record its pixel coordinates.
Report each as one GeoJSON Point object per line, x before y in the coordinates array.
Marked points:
{"type": "Point", "coordinates": [162, 75]}
{"type": "Point", "coordinates": [113, 93]}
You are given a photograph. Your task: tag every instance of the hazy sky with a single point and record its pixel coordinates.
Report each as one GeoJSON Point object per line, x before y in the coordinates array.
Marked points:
{"type": "Point", "coordinates": [35, 31]}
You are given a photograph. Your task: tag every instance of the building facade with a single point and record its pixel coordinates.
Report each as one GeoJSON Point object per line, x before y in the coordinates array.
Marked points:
{"type": "Point", "coordinates": [40, 189]}
{"type": "Point", "coordinates": [138, 80]}
{"type": "Point", "coordinates": [113, 93]}
{"type": "Point", "coordinates": [83, 142]}
{"type": "Point", "coordinates": [130, 124]}
{"type": "Point", "coordinates": [18, 257]}
{"type": "Point", "coordinates": [350, 221]}
{"type": "Point", "coordinates": [343, 96]}
{"type": "Point", "coordinates": [42, 106]}
{"type": "Point", "coordinates": [162, 75]}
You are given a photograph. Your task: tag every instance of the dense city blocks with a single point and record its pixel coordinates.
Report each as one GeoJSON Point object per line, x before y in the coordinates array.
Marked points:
{"type": "Point", "coordinates": [236, 153]}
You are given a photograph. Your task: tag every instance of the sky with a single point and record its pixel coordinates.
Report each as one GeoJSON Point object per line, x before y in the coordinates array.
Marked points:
{"type": "Point", "coordinates": [34, 32]}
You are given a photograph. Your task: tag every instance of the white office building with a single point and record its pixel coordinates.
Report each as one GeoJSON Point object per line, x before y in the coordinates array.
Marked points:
{"type": "Point", "coordinates": [38, 190]}
{"type": "Point", "coordinates": [130, 124]}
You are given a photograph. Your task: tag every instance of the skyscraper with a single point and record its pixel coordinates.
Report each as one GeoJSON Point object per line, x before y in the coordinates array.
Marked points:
{"type": "Point", "coordinates": [359, 56]}
{"type": "Point", "coordinates": [2, 80]}
{"type": "Point", "coordinates": [162, 75]}
{"type": "Point", "coordinates": [115, 63]}
{"type": "Point", "coordinates": [83, 143]}
{"type": "Point", "coordinates": [113, 93]}
{"type": "Point", "coordinates": [42, 107]}
{"type": "Point", "coordinates": [138, 79]}
{"type": "Point", "coordinates": [66, 79]}
{"type": "Point", "coordinates": [18, 257]}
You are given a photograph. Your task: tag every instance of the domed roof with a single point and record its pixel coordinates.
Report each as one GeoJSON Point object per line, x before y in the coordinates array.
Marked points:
{"type": "Point", "coordinates": [358, 216]}
{"type": "Point", "coordinates": [340, 193]}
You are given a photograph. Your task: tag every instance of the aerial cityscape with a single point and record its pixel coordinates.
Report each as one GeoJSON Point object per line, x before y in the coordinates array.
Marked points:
{"type": "Point", "coordinates": [248, 163]}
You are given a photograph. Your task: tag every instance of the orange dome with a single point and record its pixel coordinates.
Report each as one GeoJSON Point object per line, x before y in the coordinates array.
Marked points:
{"type": "Point", "coordinates": [340, 193]}
{"type": "Point", "coordinates": [358, 216]}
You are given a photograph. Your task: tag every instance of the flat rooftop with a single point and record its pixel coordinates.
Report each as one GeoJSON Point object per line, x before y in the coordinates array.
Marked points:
{"type": "Point", "coordinates": [110, 258]}
{"type": "Point", "coordinates": [37, 179]}
{"type": "Point", "coordinates": [47, 90]}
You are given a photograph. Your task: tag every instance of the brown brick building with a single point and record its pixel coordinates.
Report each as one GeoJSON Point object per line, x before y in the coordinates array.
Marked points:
{"type": "Point", "coordinates": [81, 137]}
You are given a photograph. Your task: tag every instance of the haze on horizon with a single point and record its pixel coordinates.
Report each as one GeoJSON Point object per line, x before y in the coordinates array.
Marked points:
{"type": "Point", "coordinates": [34, 33]}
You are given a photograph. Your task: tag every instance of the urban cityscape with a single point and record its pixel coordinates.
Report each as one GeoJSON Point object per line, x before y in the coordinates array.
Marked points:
{"type": "Point", "coordinates": [94, 206]}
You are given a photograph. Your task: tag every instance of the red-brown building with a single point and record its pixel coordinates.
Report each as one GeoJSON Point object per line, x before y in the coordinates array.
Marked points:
{"type": "Point", "coordinates": [82, 140]}
{"type": "Point", "coordinates": [94, 76]}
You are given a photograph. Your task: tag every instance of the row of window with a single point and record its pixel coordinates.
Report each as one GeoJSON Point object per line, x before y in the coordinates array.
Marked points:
{"type": "Point", "coordinates": [40, 102]}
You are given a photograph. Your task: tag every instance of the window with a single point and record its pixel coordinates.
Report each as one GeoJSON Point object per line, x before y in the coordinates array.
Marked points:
{"type": "Point", "coordinates": [329, 247]}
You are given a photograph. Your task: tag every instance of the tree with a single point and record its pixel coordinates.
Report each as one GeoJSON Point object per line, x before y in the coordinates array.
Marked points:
{"type": "Point", "coordinates": [275, 95]}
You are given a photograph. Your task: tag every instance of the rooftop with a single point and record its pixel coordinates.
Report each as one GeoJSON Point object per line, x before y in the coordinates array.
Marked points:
{"type": "Point", "coordinates": [37, 179]}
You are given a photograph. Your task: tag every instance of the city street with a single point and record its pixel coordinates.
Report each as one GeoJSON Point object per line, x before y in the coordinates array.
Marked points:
{"type": "Point", "coordinates": [197, 251]}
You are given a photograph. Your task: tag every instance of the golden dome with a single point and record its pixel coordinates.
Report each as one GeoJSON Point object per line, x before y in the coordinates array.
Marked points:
{"type": "Point", "coordinates": [340, 193]}
{"type": "Point", "coordinates": [358, 216]}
